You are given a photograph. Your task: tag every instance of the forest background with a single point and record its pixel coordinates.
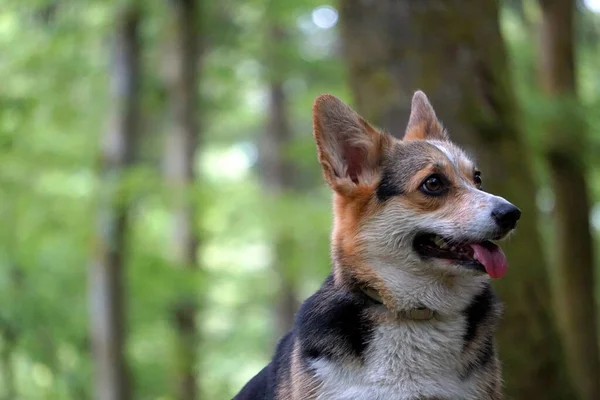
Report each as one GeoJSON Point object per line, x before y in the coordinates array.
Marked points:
{"type": "Point", "coordinates": [162, 211]}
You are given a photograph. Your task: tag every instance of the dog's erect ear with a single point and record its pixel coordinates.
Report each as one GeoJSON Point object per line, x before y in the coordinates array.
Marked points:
{"type": "Point", "coordinates": [423, 124]}
{"type": "Point", "coordinates": [349, 149]}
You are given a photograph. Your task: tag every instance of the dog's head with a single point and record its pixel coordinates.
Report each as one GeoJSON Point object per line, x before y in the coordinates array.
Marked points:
{"type": "Point", "coordinates": [416, 204]}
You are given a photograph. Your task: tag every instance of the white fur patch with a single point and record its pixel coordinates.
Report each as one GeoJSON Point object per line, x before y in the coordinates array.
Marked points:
{"type": "Point", "coordinates": [446, 152]}
{"type": "Point", "coordinates": [408, 360]}
{"type": "Point", "coordinates": [404, 361]}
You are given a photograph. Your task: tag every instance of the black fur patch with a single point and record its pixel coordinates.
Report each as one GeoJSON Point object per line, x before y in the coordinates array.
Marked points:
{"type": "Point", "coordinates": [485, 354]}
{"type": "Point", "coordinates": [387, 188]}
{"type": "Point", "coordinates": [332, 323]}
{"type": "Point", "coordinates": [478, 311]}
{"type": "Point", "coordinates": [482, 307]}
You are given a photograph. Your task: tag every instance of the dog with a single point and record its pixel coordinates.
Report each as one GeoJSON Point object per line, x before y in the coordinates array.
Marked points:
{"type": "Point", "coordinates": [408, 311]}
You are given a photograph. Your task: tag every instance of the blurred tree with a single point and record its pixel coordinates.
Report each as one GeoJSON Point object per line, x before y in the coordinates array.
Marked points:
{"type": "Point", "coordinates": [278, 173]}
{"type": "Point", "coordinates": [519, 7]}
{"type": "Point", "coordinates": [181, 147]}
{"type": "Point", "coordinates": [6, 360]}
{"type": "Point", "coordinates": [9, 324]}
{"type": "Point", "coordinates": [453, 50]}
{"type": "Point", "coordinates": [107, 285]}
{"type": "Point", "coordinates": [573, 245]}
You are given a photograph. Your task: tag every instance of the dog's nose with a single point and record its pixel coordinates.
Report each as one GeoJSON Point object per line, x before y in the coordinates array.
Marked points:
{"type": "Point", "coordinates": [506, 215]}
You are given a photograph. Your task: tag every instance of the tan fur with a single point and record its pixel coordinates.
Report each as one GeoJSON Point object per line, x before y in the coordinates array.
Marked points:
{"type": "Point", "coordinates": [359, 205]}
{"type": "Point", "coordinates": [300, 385]}
{"type": "Point", "coordinates": [425, 130]}
{"type": "Point", "coordinates": [331, 114]}
{"type": "Point", "coordinates": [423, 123]}
{"type": "Point", "coordinates": [350, 213]}
{"type": "Point", "coordinates": [457, 204]}
{"type": "Point", "coordinates": [354, 202]}
{"type": "Point", "coordinates": [356, 347]}
{"type": "Point", "coordinates": [355, 205]}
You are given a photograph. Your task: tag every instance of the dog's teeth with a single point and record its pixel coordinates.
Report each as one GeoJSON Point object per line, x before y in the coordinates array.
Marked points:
{"type": "Point", "coordinates": [453, 248]}
{"type": "Point", "coordinates": [439, 242]}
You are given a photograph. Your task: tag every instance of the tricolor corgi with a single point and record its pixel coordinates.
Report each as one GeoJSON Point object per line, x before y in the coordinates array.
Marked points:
{"type": "Point", "coordinates": [408, 311]}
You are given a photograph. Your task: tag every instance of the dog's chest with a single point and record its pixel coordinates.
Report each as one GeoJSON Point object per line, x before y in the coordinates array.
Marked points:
{"type": "Point", "coordinates": [405, 361]}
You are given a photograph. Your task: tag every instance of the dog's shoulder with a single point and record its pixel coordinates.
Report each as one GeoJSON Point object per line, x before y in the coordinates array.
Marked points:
{"type": "Point", "coordinates": [257, 388]}
{"type": "Point", "coordinates": [339, 348]}
{"type": "Point", "coordinates": [334, 323]}
{"type": "Point", "coordinates": [452, 355]}
{"type": "Point", "coordinates": [264, 385]}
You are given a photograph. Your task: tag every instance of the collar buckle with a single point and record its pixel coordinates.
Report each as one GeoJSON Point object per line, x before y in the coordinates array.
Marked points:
{"type": "Point", "coordinates": [414, 314]}
{"type": "Point", "coordinates": [418, 314]}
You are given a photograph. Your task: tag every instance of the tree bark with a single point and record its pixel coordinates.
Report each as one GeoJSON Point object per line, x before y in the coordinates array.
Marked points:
{"type": "Point", "coordinates": [573, 242]}
{"type": "Point", "coordinates": [279, 178]}
{"type": "Point", "coordinates": [107, 278]}
{"type": "Point", "coordinates": [181, 147]}
{"type": "Point", "coordinates": [453, 50]}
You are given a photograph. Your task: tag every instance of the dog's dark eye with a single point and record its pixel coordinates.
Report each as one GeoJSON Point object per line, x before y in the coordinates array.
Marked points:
{"type": "Point", "coordinates": [477, 179]}
{"type": "Point", "coordinates": [433, 185]}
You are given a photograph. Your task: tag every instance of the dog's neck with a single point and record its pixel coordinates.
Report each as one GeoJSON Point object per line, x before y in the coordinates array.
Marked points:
{"type": "Point", "coordinates": [404, 289]}
{"type": "Point", "coordinates": [443, 292]}
{"type": "Point", "coordinates": [421, 313]}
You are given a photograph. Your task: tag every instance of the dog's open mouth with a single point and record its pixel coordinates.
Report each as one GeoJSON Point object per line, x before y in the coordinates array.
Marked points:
{"type": "Point", "coordinates": [482, 256]}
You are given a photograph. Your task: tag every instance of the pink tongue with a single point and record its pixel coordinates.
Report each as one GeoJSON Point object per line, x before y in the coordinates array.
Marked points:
{"type": "Point", "coordinates": [492, 258]}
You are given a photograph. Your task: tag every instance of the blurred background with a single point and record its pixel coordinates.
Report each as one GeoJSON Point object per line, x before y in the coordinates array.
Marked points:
{"type": "Point", "coordinates": [162, 211]}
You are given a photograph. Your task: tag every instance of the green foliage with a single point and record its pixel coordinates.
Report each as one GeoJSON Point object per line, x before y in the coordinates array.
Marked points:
{"type": "Point", "coordinates": [55, 65]}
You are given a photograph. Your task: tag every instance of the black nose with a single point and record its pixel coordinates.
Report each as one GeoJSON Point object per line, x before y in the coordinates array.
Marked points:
{"type": "Point", "coordinates": [506, 216]}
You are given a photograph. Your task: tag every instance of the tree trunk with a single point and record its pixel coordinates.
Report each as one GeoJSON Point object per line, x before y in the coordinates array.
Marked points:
{"type": "Point", "coordinates": [453, 50]}
{"type": "Point", "coordinates": [107, 270]}
{"type": "Point", "coordinates": [573, 243]}
{"type": "Point", "coordinates": [278, 178]}
{"type": "Point", "coordinates": [181, 147]}
{"type": "Point", "coordinates": [518, 7]}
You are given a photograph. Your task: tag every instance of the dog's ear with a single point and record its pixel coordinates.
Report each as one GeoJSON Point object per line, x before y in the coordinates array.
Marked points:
{"type": "Point", "coordinates": [423, 123]}
{"type": "Point", "coordinates": [349, 149]}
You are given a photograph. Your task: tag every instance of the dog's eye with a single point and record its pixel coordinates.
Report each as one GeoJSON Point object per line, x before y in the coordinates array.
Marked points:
{"type": "Point", "coordinates": [477, 179]}
{"type": "Point", "coordinates": [433, 185]}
